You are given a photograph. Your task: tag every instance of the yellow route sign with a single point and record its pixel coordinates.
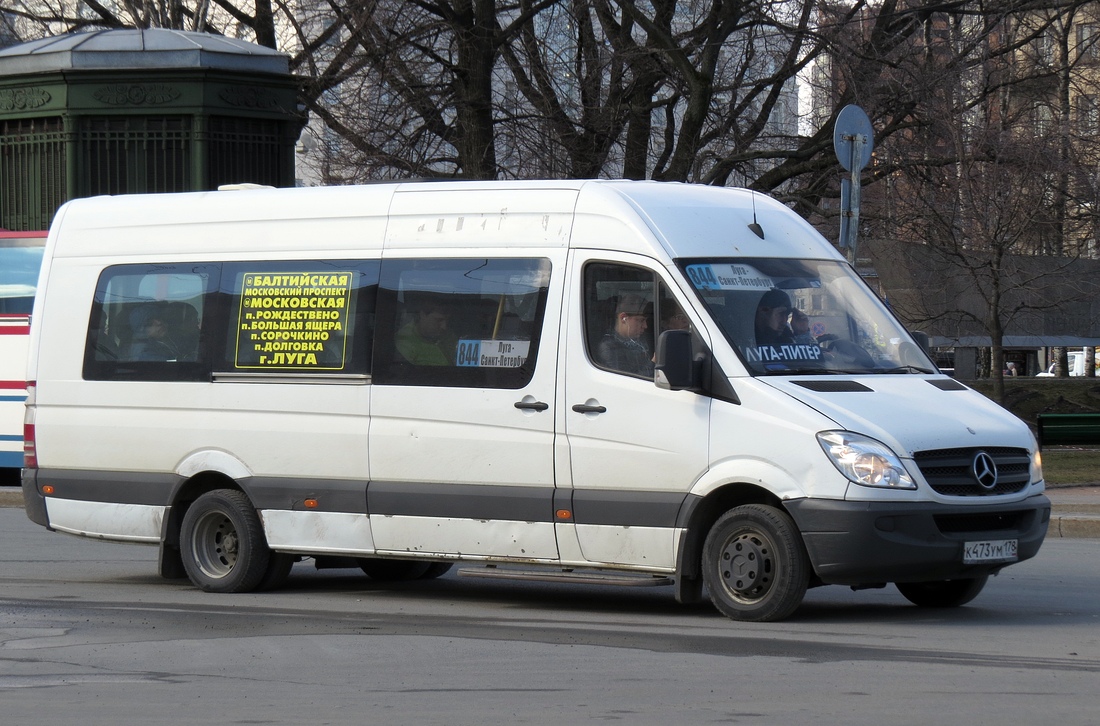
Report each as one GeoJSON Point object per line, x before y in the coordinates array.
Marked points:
{"type": "Point", "coordinates": [293, 320]}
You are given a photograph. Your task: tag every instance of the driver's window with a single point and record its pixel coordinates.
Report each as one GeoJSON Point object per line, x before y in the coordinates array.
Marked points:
{"type": "Point", "coordinates": [619, 313]}
{"type": "Point", "coordinates": [626, 309]}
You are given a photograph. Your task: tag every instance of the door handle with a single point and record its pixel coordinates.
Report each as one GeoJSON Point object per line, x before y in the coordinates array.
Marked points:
{"type": "Point", "coordinates": [586, 408]}
{"type": "Point", "coordinates": [531, 405]}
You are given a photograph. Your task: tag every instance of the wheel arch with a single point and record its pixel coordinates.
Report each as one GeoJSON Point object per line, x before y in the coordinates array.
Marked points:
{"type": "Point", "coordinates": [696, 518]}
{"type": "Point", "coordinates": [186, 492]}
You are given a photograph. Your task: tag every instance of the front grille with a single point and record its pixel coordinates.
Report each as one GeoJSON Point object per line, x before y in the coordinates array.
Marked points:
{"type": "Point", "coordinates": [951, 471]}
{"type": "Point", "coordinates": [982, 522]}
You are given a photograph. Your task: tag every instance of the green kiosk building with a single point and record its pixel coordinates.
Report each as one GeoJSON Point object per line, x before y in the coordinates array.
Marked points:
{"type": "Point", "coordinates": [128, 111]}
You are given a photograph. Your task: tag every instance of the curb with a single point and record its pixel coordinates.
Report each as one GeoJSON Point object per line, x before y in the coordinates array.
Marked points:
{"type": "Point", "coordinates": [1071, 525]}
{"type": "Point", "coordinates": [1074, 526]}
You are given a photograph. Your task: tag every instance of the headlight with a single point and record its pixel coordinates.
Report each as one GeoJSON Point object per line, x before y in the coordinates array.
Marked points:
{"type": "Point", "coordinates": [1036, 467]}
{"type": "Point", "coordinates": [865, 461]}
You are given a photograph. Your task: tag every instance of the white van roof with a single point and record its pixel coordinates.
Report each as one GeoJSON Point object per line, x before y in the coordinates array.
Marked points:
{"type": "Point", "coordinates": [679, 220]}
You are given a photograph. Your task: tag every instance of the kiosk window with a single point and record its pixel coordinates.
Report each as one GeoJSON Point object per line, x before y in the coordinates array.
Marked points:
{"type": "Point", "coordinates": [460, 322]}
{"type": "Point", "coordinates": [147, 323]}
{"type": "Point", "coordinates": [314, 316]}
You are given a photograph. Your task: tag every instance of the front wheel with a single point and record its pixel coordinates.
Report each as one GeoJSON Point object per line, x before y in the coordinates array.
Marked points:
{"type": "Point", "coordinates": [942, 593]}
{"type": "Point", "coordinates": [754, 564]}
{"type": "Point", "coordinates": [222, 543]}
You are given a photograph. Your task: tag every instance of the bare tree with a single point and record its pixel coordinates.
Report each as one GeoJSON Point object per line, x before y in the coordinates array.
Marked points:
{"type": "Point", "coordinates": [970, 247]}
{"type": "Point", "coordinates": [667, 89]}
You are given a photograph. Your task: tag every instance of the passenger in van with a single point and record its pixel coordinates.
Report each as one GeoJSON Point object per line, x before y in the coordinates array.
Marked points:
{"type": "Point", "coordinates": [621, 348]}
{"type": "Point", "coordinates": [800, 328]}
{"type": "Point", "coordinates": [154, 342]}
{"type": "Point", "coordinates": [425, 340]}
{"type": "Point", "coordinates": [771, 319]}
{"type": "Point", "coordinates": [674, 318]}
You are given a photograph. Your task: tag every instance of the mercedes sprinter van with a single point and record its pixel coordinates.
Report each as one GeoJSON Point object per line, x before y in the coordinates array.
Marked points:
{"type": "Point", "coordinates": [609, 381]}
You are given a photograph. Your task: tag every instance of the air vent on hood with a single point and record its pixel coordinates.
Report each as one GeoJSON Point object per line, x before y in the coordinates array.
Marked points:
{"type": "Point", "coordinates": [948, 385]}
{"type": "Point", "coordinates": [833, 386]}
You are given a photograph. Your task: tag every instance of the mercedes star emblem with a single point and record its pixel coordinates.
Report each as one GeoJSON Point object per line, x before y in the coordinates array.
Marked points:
{"type": "Point", "coordinates": [985, 470]}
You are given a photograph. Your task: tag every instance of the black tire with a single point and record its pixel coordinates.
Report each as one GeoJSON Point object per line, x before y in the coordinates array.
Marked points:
{"type": "Point", "coordinates": [278, 570]}
{"type": "Point", "coordinates": [437, 569]}
{"type": "Point", "coordinates": [222, 543]}
{"type": "Point", "coordinates": [942, 593]}
{"type": "Point", "coordinates": [393, 570]}
{"type": "Point", "coordinates": [755, 565]}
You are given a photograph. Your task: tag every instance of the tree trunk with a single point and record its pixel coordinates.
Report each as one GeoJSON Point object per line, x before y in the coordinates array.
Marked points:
{"type": "Point", "coordinates": [998, 369]}
{"type": "Point", "coordinates": [477, 51]}
{"type": "Point", "coordinates": [1061, 363]}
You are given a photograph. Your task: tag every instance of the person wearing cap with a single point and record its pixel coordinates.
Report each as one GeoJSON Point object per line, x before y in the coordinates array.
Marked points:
{"type": "Point", "coordinates": [771, 319]}
{"type": "Point", "coordinates": [621, 348]}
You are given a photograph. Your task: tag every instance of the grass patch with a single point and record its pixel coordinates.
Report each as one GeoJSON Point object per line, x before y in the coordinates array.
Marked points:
{"type": "Point", "coordinates": [1029, 397]}
{"type": "Point", "coordinates": [1066, 467]}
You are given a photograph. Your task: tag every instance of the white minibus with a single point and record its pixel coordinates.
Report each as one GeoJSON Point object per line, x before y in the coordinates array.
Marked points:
{"type": "Point", "coordinates": [20, 260]}
{"type": "Point", "coordinates": [624, 382]}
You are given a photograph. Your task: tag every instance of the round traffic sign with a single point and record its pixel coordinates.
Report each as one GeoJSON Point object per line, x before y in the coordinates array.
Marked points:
{"type": "Point", "coordinates": [852, 123]}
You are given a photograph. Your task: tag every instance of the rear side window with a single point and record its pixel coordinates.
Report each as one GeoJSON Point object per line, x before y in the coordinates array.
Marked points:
{"type": "Point", "coordinates": [312, 316]}
{"type": "Point", "coordinates": [148, 323]}
{"type": "Point", "coordinates": [460, 322]}
{"type": "Point", "coordinates": [189, 322]}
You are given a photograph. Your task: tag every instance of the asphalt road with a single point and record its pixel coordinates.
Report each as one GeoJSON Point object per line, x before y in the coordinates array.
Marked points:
{"type": "Point", "coordinates": [90, 635]}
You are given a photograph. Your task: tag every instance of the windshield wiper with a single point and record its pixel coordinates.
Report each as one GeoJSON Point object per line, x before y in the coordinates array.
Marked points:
{"type": "Point", "coordinates": [904, 369]}
{"type": "Point", "coordinates": [806, 371]}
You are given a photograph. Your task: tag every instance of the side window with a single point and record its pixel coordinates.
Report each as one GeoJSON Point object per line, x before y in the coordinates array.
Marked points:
{"type": "Point", "coordinates": [20, 260]}
{"type": "Point", "coordinates": [460, 322]}
{"type": "Point", "coordinates": [147, 323]}
{"type": "Point", "coordinates": [300, 317]}
{"type": "Point", "coordinates": [619, 307]}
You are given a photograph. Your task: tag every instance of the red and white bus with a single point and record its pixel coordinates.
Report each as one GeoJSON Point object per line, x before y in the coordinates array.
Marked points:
{"type": "Point", "coordinates": [20, 260]}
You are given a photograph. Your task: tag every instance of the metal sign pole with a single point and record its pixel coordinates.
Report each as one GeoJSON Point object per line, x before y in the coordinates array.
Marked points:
{"type": "Point", "coordinates": [857, 141]}
{"type": "Point", "coordinates": [853, 141]}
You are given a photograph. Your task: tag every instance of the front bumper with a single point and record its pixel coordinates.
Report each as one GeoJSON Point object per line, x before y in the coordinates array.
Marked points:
{"type": "Point", "coordinates": [860, 543]}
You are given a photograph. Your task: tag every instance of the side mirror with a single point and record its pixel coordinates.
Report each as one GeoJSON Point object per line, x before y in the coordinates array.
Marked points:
{"type": "Point", "coordinates": [676, 369]}
{"type": "Point", "coordinates": [922, 340]}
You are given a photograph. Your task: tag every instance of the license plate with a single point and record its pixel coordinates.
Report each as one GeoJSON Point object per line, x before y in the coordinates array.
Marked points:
{"type": "Point", "coordinates": [996, 550]}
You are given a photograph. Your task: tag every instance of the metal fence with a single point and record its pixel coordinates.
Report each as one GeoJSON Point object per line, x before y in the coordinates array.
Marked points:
{"type": "Point", "coordinates": [244, 150]}
{"type": "Point", "coordinates": [32, 172]}
{"type": "Point", "coordinates": [126, 155]}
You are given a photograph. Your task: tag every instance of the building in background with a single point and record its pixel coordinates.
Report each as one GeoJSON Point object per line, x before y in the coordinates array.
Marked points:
{"type": "Point", "coordinates": [127, 111]}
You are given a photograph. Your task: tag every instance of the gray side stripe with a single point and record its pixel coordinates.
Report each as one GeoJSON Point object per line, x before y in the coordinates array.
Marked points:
{"type": "Point", "coordinates": [627, 508]}
{"type": "Point", "coordinates": [122, 487]}
{"type": "Point", "coordinates": [331, 495]}
{"type": "Point", "coordinates": [459, 501]}
{"type": "Point", "coordinates": [462, 501]}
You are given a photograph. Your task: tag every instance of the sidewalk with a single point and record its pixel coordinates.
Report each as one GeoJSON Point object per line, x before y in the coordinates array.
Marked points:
{"type": "Point", "coordinates": [1076, 512]}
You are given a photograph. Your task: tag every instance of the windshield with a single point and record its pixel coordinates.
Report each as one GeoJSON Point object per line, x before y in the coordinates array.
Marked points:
{"type": "Point", "coordinates": [789, 317]}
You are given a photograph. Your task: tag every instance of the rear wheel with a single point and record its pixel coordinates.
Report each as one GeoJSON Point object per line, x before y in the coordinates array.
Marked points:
{"type": "Point", "coordinates": [222, 543]}
{"type": "Point", "coordinates": [278, 570]}
{"type": "Point", "coordinates": [943, 593]}
{"type": "Point", "coordinates": [393, 570]}
{"type": "Point", "coordinates": [754, 564]}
